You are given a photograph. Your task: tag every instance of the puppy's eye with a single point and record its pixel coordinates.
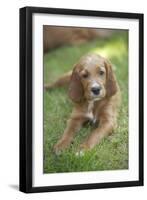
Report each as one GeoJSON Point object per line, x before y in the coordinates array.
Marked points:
{"type": "Point", "coordinates": [85, 75]}
{"type": "Point", "coordinates": [101, 72]}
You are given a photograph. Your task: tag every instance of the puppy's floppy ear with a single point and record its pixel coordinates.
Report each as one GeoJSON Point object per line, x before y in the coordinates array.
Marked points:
{"type": "Point", "coordinates": [111, 85]}
{"type": "Point", "coordinates": [76, 91]}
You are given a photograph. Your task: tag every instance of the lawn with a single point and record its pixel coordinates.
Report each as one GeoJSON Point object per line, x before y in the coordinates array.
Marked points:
{"type": "Point", "coordinates": [112, 152]}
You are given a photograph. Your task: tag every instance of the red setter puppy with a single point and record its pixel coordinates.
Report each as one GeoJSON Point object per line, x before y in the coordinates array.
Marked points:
{"type": "Point", "coordinates": [96, 96]}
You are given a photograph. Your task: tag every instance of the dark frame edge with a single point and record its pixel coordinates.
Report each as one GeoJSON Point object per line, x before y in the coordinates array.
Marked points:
{"type": "Point", "coordinates": [22, 103]}
{"type": "Point", "coordinates": [82, 12]}
{"type": "Point", "coordinates": [84, 187]}
{"type": "Point", "coordinates": [141, 99]}
{"type": "Point", "coordinates": [25, 101]}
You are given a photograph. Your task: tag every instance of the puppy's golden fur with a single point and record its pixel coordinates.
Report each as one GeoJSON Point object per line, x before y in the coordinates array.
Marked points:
{"type": "Point", "coordinates": [96, 96]}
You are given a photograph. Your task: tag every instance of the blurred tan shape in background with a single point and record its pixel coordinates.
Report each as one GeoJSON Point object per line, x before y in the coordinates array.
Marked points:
{"type": "Point", "coordinates": [58, 36]}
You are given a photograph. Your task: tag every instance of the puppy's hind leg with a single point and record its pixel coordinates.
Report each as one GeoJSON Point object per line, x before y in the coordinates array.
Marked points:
{"type": "Point", "coordinates": [61, 82]}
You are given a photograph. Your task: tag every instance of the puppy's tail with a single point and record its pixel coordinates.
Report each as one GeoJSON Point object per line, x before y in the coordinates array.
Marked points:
{"type": "Point", "coordinates": [61, 82]}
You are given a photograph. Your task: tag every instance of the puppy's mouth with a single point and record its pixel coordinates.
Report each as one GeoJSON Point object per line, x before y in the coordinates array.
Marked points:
{"type": "Point", "coordinates": [95, 97]}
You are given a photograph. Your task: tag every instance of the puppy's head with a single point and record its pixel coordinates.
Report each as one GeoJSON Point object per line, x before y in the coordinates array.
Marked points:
{"type": "Point", "coordinates": [92, 79]}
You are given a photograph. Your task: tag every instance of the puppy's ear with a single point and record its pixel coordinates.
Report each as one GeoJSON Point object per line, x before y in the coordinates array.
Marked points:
{"type": "Point", "coordinates": [111, 85]}
{"type": "Point", "coordinates": [76, 91]}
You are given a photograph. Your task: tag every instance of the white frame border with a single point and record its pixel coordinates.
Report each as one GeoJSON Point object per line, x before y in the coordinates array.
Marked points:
{"type": "Point", "coordinates": [132, 174]}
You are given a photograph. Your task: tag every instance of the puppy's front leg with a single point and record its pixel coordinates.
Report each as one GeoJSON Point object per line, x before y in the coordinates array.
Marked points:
{"type": "Point", "coordinates": [73, 125]}
{"type": "Point", "coordinates": [105, 127]}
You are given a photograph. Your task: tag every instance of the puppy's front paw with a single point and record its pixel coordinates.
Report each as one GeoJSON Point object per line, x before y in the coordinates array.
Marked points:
{"type": "Point", "coordinates": [80, 153]}
{"type": "Point", "coordinates": [83, 148]}
{"type": "Point", "coordinates": [61, 145]}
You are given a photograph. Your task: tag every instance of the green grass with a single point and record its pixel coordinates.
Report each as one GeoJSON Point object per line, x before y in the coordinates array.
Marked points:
{"type": "Point", "coordinates": [112, 152]}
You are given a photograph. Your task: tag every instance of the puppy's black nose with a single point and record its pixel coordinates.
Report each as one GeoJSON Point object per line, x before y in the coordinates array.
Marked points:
{"type": "Point", "coordinates": [96, 90]}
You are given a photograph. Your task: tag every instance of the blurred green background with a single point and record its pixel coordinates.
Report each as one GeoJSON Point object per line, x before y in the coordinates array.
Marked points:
{"type": "Point", "coordinates": [112, 152]}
